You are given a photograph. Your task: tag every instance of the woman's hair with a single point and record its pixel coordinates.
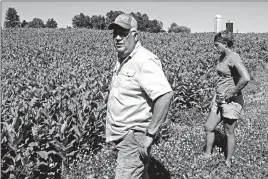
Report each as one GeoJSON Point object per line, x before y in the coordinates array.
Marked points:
{"type": "Point", "coordinates": [225, 37]}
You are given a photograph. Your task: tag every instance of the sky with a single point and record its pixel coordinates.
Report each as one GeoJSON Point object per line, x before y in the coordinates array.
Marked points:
{"type": "Point", "coordinates": [198, 16]}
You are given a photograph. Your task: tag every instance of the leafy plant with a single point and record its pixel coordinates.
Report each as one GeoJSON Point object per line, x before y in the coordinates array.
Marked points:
{"type": "Point", "coordinates": [54, 93]}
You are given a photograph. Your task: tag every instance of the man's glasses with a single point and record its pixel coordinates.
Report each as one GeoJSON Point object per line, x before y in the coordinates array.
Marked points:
{"type": "Point", "coordinates": [123, 34]}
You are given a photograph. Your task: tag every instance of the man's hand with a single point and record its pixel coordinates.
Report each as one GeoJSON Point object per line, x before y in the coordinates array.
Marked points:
{"type": "Point", "coordinates": [145, 147]}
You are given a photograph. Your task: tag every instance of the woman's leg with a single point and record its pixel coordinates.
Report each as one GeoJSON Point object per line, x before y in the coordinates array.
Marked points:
{"type": "Point", "coordinates": [213, 120]}
{"type": "Point", "coordinates": [230, 125]}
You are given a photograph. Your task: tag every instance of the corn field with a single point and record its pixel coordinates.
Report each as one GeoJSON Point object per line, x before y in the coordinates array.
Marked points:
{"type": "Point", "coordinates": [54, 93]}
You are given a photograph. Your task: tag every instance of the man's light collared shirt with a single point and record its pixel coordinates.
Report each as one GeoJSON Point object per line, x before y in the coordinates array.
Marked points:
{"type": "Point", "coordinates": [136, 83]}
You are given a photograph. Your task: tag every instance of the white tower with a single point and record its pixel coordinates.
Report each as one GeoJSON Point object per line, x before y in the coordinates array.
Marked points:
{"type": "Point", "coordinates": [218, 23]}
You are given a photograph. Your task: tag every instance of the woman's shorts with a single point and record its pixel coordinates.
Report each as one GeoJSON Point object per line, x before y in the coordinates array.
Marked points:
{"type": "Point", "coordinates": [230, 110]}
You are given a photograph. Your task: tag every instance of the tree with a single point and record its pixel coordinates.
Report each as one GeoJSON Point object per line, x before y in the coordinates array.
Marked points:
{"type": "Point", "coordinates": [178, 29]}
{"type": "Point", "coordinates": [184, 29]}
{"type": "Point", "coordinates": [24, 23]}
{"type": "Point", "coordinates": [155, 26]}
{"type": "Point", "coordinates": [81, 20]}
{"type": "Point", "coordinates": [172, 26]}
{"type": "Point", "coordinates": [77, 21]}
{"type": "Point", "coordinates": [51, 23]}
{"type": "Point", "coordinates": [144, 24]}
{"type": "Point", "coordinates": [12, 19]}
{"type": "Point", "coordinates": [87, 22]}
{"type": "Point", "coordinates": [142, 20]}
{"type": "Point", "coordinates": [98, 22]}
{"type": "Point", "coordinates": [111, 16]}
{"type": "Point", "coordinates": [37, 23]}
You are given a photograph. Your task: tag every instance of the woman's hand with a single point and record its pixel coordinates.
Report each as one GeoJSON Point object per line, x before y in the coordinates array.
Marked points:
{"type": "Point", "coordinates": [228, 96]}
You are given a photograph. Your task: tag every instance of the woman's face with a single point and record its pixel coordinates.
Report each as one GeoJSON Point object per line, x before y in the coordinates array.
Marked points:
{"type": "Point", "coordinates": [221, 47]}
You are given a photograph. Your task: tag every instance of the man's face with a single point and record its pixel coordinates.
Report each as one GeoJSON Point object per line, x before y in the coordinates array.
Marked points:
{"type": "Point", "coordinates": [124, 41]}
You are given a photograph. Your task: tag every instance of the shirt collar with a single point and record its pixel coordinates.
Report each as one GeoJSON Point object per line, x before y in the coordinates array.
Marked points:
{"type": "Point", "coordinates": [134, 51]}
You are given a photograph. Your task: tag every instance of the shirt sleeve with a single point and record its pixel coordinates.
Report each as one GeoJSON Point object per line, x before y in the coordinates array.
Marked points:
{"type": "Point", "coordinates": [153, 80]}
{"type": "Point", "coordinates": [235, 59]}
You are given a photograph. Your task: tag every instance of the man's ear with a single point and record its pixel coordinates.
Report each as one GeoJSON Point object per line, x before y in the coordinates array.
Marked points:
{"type": "Point", "coordinates": [135, 31]}
{"type": "Point", "coordinates": [136, 36]}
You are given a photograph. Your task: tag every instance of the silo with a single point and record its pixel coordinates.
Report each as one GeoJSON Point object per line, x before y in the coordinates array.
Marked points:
{"type": "Point", "coordinates": [230, 26]}
{"type": "Point", "coordinates": [218, 23]}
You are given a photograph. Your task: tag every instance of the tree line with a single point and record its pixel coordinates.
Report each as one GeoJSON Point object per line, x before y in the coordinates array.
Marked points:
{"type": "Point", "coordinates": [99, 22]}
{"type": "Point", "coordinates": [12, 20]}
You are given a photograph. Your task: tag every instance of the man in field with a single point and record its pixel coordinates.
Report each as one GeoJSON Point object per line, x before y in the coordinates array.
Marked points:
{"type": "Point", "coordinates": [138, 103]}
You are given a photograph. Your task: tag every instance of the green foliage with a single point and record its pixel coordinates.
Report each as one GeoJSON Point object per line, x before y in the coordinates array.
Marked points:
{"type": "Point", "coordinates": [51, 23]}
{"type": "Point", "coordinates": [178, 29]}
{"type": "Point", "coordinates": [94, 22]}
{"type": "Point", "coordinates": [101, 22]}
{"type": "Point", "coordinates": [98, 22]}
{"type": "Point", "coordinates": [36, 23]}
{"type": "Point", "coordinates": [142, 20]}
{"type": "Point", "coordinates": [111, 15]}
{"type": "Point", "coordinates": [155, 26]}
{"type": "Point", "coordinates": [54, 93]}
{"type": "Point", "coordinates": [12, 19]}
{"type": "Point", "coordinates": [146, 25]}
{"type": "Point", "coordinates": [80, 21]}
{"type": "Point", "coordinates": [24, 24]}
{"type": "Point", "coordinates": [54, 103]}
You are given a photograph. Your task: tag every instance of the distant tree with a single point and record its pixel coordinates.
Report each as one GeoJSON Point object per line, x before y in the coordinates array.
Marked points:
{"type": "Point", "coordinates": [24, 23]}
{"type": "Point", "coordinates": [147, 22]}
{"type": "Point", "coordinates": [80, 21]}
{"type": "Point", "coordinates": [36, 23]}
{"type": "Point", "coordinates": [12, 19]}
{"type": "Point", "coordinates": [110, 16]}
{"type": "Point", "coordinates": [184, 29]}
{"type": "Point", "coordinates": [51, 23]}
{"type": "Point", "coordinates": [98, 22]}
{"type": "Point", "coordinates": [178, 29]}
{"type": "Point", "coordinates": [142, 20]}
{"type": "Point", "coordinates": [172, 26]}
{"type": "Point", "coordinates": [155, 26]}
{"type": "Point", "coordinates": [144, 24]}
{"type": "Point", "coordinates": [87, 22]}
{"type": "Point", "coordinates": [77, 21]}
{"type": "Point", "coordinates": [101, 22]}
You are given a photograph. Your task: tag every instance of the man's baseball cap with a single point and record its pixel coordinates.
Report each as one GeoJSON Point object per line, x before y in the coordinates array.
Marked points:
{"type": "Point", "coordinates": [124, 20]}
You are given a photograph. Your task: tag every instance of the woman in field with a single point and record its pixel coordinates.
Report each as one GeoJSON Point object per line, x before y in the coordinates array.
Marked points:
{"type": "Point", "coordinates": [227, 102]}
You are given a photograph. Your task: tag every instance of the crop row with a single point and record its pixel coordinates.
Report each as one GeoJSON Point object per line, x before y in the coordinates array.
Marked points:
{"type": "Point", "coordinates": [55, 86]}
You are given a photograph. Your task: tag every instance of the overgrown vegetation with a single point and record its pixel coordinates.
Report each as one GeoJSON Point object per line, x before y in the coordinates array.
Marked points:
{"type": "Point", "coordinates": [54, 89]}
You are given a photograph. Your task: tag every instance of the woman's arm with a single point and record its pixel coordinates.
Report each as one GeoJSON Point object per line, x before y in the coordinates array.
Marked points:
{"type": "Point", "coordinates": [213, 100]}
{"type": "Point", "coordinates": [244, 77]}
{"type": "Point", "coordinates": [243, 81]}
